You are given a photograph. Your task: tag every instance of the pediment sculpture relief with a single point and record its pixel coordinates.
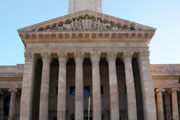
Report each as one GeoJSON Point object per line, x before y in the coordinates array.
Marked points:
{"type": "Point", "coordinates": [87, 24]}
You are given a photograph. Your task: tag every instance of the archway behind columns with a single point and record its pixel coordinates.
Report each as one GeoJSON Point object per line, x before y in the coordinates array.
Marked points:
{"type": "Point", "coordinates": [122, 89]}
{"type": "Point", "coordinates": [138, 89]}
{"type": "Point", "coordinates": [105, 93]}
{"type": "Point", "coordinates": [53, 89]}
{"type": "Point", "coordinates": [36, 89]}
{"type": "Point", "coordinates": [70, 89]}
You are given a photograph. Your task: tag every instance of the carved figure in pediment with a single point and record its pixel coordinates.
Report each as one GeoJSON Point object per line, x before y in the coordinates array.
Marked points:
{"type": "Point", "coordinates": [99, 25]}
{"type": "Point", "coordinates": [95, 24]}
{"type": "Point", "coordinates": [106, 26]}
{"type": "Point", "coordinates": [86, 23]}
{"type": "Point", "coordinates": [76, 25]}
{"type": "Point", "coordinates": [67, 27]}
{"type": "Point", "coordinates": [115, 28]}
{"type": "Point", "coordinates": [60, 28]}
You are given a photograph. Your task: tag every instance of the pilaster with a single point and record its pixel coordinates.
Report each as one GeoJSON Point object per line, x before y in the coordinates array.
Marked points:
{"type": "Point", "coordinates": [147, 86]}
{"type": "Point", "coordinates": [27, 87]}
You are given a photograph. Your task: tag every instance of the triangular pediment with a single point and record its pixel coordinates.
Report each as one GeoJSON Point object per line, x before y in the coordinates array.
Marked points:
{"type": "Point", "coordinates": [86, 20]}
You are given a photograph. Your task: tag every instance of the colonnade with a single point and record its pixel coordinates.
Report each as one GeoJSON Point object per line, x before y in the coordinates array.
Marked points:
{"type": "Point", "coordinates": [12, 105]}
{"type": "Point", "coordinates": [174, 99]}
{"type": "Point", "coordinates": [146, 81]}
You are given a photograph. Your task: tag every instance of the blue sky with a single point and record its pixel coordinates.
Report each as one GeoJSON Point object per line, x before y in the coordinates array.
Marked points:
{"type": "Point", "coordinates": [161, 14]}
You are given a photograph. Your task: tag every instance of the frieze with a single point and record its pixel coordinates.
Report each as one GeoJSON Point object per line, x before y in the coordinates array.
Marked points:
{"type": "Point", "coordinates": [87, 24]}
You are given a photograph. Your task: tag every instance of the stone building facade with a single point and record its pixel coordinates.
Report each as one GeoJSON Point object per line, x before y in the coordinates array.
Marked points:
{"type": "Point", "coordinates": [88, 65]}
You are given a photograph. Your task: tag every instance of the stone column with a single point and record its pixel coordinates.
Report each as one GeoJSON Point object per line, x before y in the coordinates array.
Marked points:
{"type": "Point", "coordinates": [147, 85]}
{"type": "Point", "coordinates": [175, 110]}
{"type": "Point", "coordinates": [1, 106]}
{"type": "Point", "coordinates": [160, 110]}
{"type": "Point", "coordinates": [130, 87]}
{"type": "Point", "coordinates": [12, 108]}
{"type": "Point", "coordinates": [61, 108]}
{"type": "Point", "coordinates": [113, 85]}
{"type": "Point", "coordinates": [79, 87]}
{"type": "Point", "coordinates": [27, 87]}
{"type": "Point", "coordinates": [96, 86]}
{"type": "Point", "coordinates": [44, 93]}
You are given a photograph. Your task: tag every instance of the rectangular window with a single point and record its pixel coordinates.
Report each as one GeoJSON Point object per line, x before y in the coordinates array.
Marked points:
{"type": "Point", "coordinates": [72, 90]}
{"type": "Point", "coordinates": [86, 90]}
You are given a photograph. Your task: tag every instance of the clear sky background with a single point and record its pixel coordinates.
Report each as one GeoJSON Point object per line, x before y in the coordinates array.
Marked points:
{"type": "Point", "coordinates": [161, 14]}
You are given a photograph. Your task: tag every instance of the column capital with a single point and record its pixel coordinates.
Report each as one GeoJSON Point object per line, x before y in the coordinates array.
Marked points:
{"type": "Point", "coordinates": [175, 89]}
{"type": "Point", "coordinates": [29, 55]}
{"type": "Point", "coordinates": [95, 56]}
{"type": "Point", "coordinates": [79, 56]}
{"type": "Point", "coordinates": [127, 55]}
{"type": "Point", "coordinates": [46, 56]}
{"type": "Point", "coordinates": [111, 56]}
{"type": "Point", "coordinates": [144, 55]}
{"type": "Point", "coordinates": [62, 56]}
{"type": "Point", "coordinates": [160, 90]}
{"type": "Point", "coordinates": [13, 90]}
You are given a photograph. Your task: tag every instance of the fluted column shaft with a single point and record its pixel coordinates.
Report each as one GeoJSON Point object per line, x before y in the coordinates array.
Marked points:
{"type": "Point", "coordinates": [96, 86]}
{"type": "Point", "coordinates": [27, 87]}
{"type": "Point", "coordinates": [79, 88]}
{"type": "Point", "coordinates": [131, 95]}
{"type": "Point", "coordinates": [175, 110]}
{"type": "Point", "coordinates": [44, 93]}
{"type": "Point", "coordinates": [12, 108]}
{"type": "Point", "coordinates": [61, 108]}
{"type": "Point", "coordinates": [147, 85]}
{"type": "Point", "coordinates": [114, 97]}
{"type": "Point", "coordinates": [159, 102]}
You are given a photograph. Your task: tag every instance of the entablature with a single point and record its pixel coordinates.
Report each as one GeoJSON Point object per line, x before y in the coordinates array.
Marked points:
{"type": "Point", "coordinates": [121, 36]}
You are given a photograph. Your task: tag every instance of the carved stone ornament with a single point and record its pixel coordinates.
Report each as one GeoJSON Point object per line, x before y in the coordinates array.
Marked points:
{"type": "Point", "coordinates": [95, 56]}
{"type": "Point", "coordinates": [28, 55]}
{"type": "Point", "coordinates": [111, 56]}
{"type": "Point", "coordinates": [144, 55]}
{"type": "Point", "coordinates": [62, 56]}
{"type": "Point", "coordinates": [127, 55]}
{"type": "Point", "coordinates": [175, 89]}
{"type": "Point", "coordinates": [160, 90]}
{"type": "Point", "coordinates": [79, 57]}
{"type": "Point", "coordinates": [46, 56]}
{"type": "Point", "coordinates": [86, 24]}
{"type": "Point", "coordinates": [13, 90]}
